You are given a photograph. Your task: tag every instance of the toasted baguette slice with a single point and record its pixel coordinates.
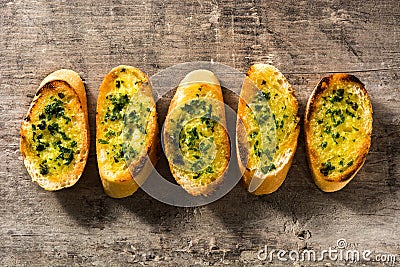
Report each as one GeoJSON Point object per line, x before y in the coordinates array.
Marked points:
{"type": "Point", "coordinates": [126, 131]}
{"type": "Point", "coordinates": [196, 142]}
{"type": "Point", "coordinates": [55, 132]}
{"type": "Point", "coordinates": [267, 129]}
{"type": "Point", "coordinates": [337, 126]}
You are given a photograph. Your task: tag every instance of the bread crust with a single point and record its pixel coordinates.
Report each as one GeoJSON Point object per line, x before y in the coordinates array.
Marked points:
{"type": "Point", "coordinates": [124, 184]}
{"type": "Point", "coordinates": [70, 82]}
{"type": "Point", "coordinates": [182, 95]}
{"type": "Point", "coordinates": [332, 184]}
{"type": "Point", "coordinates": [274, 179]}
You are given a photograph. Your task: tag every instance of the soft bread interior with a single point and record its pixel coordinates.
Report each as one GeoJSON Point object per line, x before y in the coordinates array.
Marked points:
{"type": "Point", "coordinates": [198, 85]}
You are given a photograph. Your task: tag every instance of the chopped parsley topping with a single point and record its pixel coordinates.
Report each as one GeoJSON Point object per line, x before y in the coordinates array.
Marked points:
{"type": "Point", "coordinates": [196, 106]}
{"type": "Point", "coordinates": [353, 105]}
{"type": "Point", "coordinates": [324, 144]}
{"type": "Point", "coordinates": [49, 124]}
{"type": "Point", "coordinates": [337, 116]}
{"type": "Point", "coordinates": [267, 95]}
{"type": "Point", "coordinates": [42, 125]}
{"type": "Point", "coordinates": [40, 147]}
{"type": "Point", "coordinates": [119, 102]}
{"type": "Point", "coordinates": [43, 168]}
{"type": "Point", "coordinates": [118, 83]}
{"type": "Point", "coordinates": [66, 154]}
{"type": "Point", "coordinates": [326, 168]}
{"type": "Point", "coordinates": [327, 130]}
{"type": "Point", "coordinates": [109, 133]}
{"type": "Point", "coordinates": [337, 96]}
{"type": "Point", "coordinates": [268, 168]}
{"type": "Point", "coordinates": [209, 169]}
{"type": "Point", "coordinates": [119, 155]}
{"type": "Point", "coordinates": [129, 152]}
{"type": "Point", "coordinates": [253, 134]}
{"type": "Point", "coordinates": [53, 128]}
{"type": "Point", "coordinates": [54, 109]}
{"type": "Point", "coordinates": [351, 114]}
{"type": "Point", "coordinates": [102, 141]}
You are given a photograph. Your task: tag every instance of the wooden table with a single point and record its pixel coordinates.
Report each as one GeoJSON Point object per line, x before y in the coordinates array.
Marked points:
{"type": "Point", "coordinates": [306, 40]}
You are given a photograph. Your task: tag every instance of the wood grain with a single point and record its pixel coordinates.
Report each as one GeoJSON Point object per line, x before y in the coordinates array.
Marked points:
{"type": "Point", "coordinates": [305, 39]}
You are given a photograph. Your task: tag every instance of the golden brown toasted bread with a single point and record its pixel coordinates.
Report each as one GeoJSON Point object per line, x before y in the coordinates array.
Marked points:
{"type": "Point", "coordinates": [337, 126]}
{"type": "Point", "coordinates": [55, 132]}
{"type": "Point", "coordinates": [196, 142]}
{"type": "Point", "coordinates": [126, 131]}
{"type": "Point", "coordinates": [267, 129]}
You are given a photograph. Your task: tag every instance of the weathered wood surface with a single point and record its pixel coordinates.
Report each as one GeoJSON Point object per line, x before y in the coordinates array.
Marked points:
{"type": "Point", "coordinates": [304, 39]}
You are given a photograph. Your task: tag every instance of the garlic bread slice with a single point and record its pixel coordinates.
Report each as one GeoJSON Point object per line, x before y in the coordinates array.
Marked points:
{"type": "Point", "coordinates": [55, 132]}
{"type": "Point", "coordinates": [196, 141]}
{"type": "Point", "coordinates": [338, 127]}
{"type": "Point", "coordinates": [267, 129]}
{"type": "Point", "coordinates": [126, 131]}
